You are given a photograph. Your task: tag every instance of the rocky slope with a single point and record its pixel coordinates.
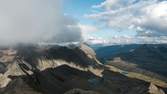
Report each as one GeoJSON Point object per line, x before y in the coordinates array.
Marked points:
{"type": "Point", "coordinates": [64, 70]}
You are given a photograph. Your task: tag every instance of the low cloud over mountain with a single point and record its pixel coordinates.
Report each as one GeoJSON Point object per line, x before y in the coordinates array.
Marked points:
{"type": "Point", "coordinates": [32, 21]}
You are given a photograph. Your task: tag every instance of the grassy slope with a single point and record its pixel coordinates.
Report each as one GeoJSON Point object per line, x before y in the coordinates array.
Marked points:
{"type": "Point", "coordinates": [139, 76]}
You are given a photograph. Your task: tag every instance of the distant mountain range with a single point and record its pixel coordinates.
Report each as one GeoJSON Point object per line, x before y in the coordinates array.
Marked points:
{"type": "Point", "coordinates": [151, 57]}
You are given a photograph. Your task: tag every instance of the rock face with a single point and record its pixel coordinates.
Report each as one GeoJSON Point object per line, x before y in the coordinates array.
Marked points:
{"type": "Point", "coordinates": [66, 70]}
{"type": "Point", "coordinates": [155, 90]}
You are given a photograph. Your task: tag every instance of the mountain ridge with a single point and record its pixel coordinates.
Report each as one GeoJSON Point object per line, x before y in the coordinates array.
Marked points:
{"type": "Point", "coordinates": [46, 70]}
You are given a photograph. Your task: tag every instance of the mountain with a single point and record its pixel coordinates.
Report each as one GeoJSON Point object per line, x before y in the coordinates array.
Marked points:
{"type": "Point", "coordinates": [106, 52]}
{"type": "Point", "coordinates": [149, 59]}
{"type": "Point", "coordinates": [70, 69]}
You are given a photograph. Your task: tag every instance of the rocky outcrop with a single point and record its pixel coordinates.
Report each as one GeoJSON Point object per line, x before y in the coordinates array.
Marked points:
{"type": "Point", "coordinates": [18, 86]}
{"type": "Point", "coordinates": [155, 90]}
{"type": "Point", "coordinates": [4, 80]}
{"type": "Point", "coordinates": [63, 69]}
{"type": "Point", "coordinates": [65, 79]}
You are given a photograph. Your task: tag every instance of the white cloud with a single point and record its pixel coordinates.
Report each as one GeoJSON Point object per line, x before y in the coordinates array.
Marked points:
{"type": "Point", "coordinates": [88, 28]}
{"type": "Point", "coordinates": [96, 40]}
{"type": "Point", "coordinates": [128, 40]}
{"type": "Point", "coordinates": [31, 21]}
{"type": "Point", "coordinates": [106, 4]}
{"type": "Point", "coordinates": [148, 17]}
{"type": "Point", "coordinates": [155, 17]}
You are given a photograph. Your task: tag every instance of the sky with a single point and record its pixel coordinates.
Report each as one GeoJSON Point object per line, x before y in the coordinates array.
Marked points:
{"type": "Point", "coordinates": [91, 21]}
{"type": "Point", "coordinates": [36, 21]}
{"type": "Point", "coordinates": [120, 21]}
